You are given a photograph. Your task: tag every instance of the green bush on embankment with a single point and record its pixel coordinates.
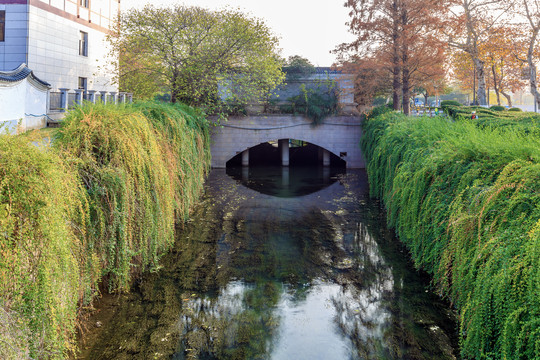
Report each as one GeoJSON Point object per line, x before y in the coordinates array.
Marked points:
{"type": "Point", "coordinates": [465, 200]}
{"type": "Point", "coordinates": [42, 217]}
{"type": "Point", "coordinates": [100, 204]}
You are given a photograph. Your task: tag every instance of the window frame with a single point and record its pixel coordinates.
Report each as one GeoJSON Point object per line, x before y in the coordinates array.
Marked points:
{"type": "Point", "coordinates": [2, 25]}
{"type": "Point", "coordinates": [83, 83]}
{"type": "Point", "coordinates": [83, 43]}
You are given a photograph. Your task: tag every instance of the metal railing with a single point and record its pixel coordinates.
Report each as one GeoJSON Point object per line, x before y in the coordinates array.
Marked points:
{"type": "Point", "coordinates": [55, 100]}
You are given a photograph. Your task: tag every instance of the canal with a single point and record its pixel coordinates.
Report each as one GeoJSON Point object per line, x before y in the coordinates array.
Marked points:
{"type": "Point", "coordinates": [279, 263]}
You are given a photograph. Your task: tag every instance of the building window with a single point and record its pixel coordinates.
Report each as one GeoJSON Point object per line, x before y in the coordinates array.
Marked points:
{"type": "Point", "coordinates": [84, 3]}
{"type": "Point", "coordinates": [83, 44]}
{"type": "Point", "coordinates": [2, 25]}
{"type": "Point", "coordinates": [83, 83]}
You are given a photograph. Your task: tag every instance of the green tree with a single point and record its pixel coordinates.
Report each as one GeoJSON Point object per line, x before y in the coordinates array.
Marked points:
{"type": "Point", "coordinates": [297, 66]}
{"type": "Point", "coordinates": [189, 51]}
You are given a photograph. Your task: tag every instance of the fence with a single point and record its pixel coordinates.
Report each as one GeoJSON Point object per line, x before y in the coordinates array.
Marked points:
{"type": "Point", "coordinates": [55, 100]}
{"type": "Point", "coordinates": [59, 100]}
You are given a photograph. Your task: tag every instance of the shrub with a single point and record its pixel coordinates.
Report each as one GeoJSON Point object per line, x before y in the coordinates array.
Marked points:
{"type": "Point", "coordinates": [497, 108]}
{"type": "Point", "coordinates": [379, 110]}
{"type": "Point", "coordinates": [42, 262]}
{"type": "Point", "coordinates": [464, 199]}
{"type": "Point", "coordinates": [187, 141]}
{"type": "Point", "coordinates": [446, 103]}
{"type": "Point", "coordinates": [102, 202]}
{"type": "Point", "coordinates": [134, 171]}
{"type": "Point", "coordinates": [515, 109]}
{"type": "Point", "coordinates": [316, 104]}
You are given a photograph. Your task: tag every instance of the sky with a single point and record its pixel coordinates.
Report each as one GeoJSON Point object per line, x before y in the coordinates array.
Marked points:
{"type": "Point", "coordinates": [309, 28]}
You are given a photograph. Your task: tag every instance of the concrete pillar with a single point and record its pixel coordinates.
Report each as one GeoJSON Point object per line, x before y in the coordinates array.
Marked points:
{"type": "Point", "coordinates": [79, 96]}
{"type": "Point", "coordinates": [64, 98]}
{"type": "Point", "coordinates": [284, 151]}
{"type": "Point", "coordinates": [285, 176]}
{"type": "Point", "coordinates": [245, 173]}
{"type": "Point", "coordinates": [130, 97]}
{"type": "Point", "coordinates": [103, 95]}
{"type": "Point", "coordinates": [326, 175]}
{"type": "Point", "coordinates": [48, 101]}
{"type": "Point", "coordinates": [114, 96]}
{"type": "Point", "coordinates": [92, 96]}
{"type": "Point", "coordinates": [326, 157]}
{"type": "Point", "coordinates": [245, 157]}
{"type": "Point", "coordinates": [122, 97]}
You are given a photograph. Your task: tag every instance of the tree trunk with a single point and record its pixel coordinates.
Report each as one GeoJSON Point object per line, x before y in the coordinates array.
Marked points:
{"type": "Point", "coordinates": [534, 85]}
{"type": "Point", "coordinates": [396, 85]}
{"type": "Point", "coordinates": [405, 79]}
{"type": "Point", "coordinates": [530, 57]}
{"type": "Point", "coordinates": [532, 68]}
{"type": "Point", "coordinates": [174, 87]}
{"type": "Point", "coordinates": [481, 79]}
{"type": "Point", "coordinates": [508, 98]}
{"type": "Point", "coordinates": [495, 86]}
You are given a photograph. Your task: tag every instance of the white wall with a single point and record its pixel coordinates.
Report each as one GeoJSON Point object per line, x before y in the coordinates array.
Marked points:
{"type": "Point", "coordinates": [35, 108]}
{"type": "Point", "coordinates": [10, 101]}
{"type": "Point", "coordinates": [13, 49]}
{"type": "Point", "coordinates": [24, 104]}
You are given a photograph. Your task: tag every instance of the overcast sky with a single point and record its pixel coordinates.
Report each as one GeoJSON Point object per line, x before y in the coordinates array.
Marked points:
{"type": "Point", "coordinates": [309, 28]}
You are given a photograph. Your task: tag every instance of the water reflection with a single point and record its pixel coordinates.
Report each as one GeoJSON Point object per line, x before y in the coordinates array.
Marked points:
{"type": "Point", "coordinates": [258, 276]}
{"type": "Point", "coordinates": [285, 181]}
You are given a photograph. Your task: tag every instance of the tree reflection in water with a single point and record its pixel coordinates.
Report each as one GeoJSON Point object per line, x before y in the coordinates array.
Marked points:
{"type": "Point", "coordinates": [256, 276]}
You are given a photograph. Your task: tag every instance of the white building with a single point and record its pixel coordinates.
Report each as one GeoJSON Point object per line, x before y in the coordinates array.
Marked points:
{"type": "Point", "coordinates": [61, 41]}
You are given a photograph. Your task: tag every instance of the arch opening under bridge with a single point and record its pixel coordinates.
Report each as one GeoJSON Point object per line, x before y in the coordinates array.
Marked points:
{"type": "Point", "coordinates": [336, 140]}
{"type": "Point", "coordinates": [288, 152]}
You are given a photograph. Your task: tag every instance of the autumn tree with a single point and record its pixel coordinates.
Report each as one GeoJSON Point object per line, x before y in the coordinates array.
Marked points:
{"type": "Point", "coordinates": [530, 10]}
{"type": "Point", "coordinates": [401, 34]}
{"type": "Point", "coordinates": [189, 51]}
{"type": "Point", "coordinates": [376, 26]}
{"type": "Point", "coordinates": [502, 58]}
{"type": "Point", "coordinates": [432, 82]}
{"type": "Point", "coordinates": [371, 79]}
{"type": "Point", "coordinates": [463, 70]}
{"type": "Point", "coordinates": [470, 25]}
{"type": "Point", "coordinates": [422, 49]}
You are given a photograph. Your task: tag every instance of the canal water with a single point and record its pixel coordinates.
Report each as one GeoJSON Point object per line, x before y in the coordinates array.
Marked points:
{"type": "Point", "coordinates": [279, 263]}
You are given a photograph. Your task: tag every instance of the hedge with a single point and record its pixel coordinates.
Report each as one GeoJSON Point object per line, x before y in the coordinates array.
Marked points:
{"type": "Point", "coordinates": [464, 199]}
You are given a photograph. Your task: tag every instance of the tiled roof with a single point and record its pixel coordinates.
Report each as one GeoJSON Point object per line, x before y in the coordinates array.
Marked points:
{"type": "Point", "coordinates": [19, 74]}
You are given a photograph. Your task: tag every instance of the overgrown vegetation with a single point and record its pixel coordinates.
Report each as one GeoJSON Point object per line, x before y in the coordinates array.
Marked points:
{"type": "Point", "coordinates": [316, 103]}
{"type": "Point", "coordinates": [464, 199]}
{"type": "Point", "coordinates": [42, 231]}
{"type": "Point", "coordinates": [101, 204]}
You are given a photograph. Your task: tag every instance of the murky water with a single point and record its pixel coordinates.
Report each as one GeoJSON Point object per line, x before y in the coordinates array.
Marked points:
{"type": "Point", "coordinates": [280, 264]}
